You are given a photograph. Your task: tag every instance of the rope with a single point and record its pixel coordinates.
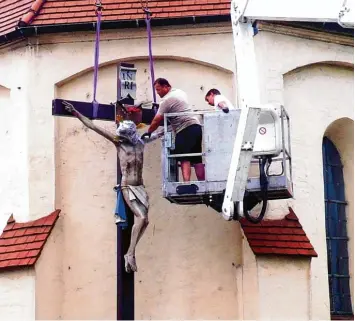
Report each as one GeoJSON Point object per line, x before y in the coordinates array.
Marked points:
{"type": "Point", "coordinates": [148, 15]}
{"type": "Point", "coordinates": [98, 12]}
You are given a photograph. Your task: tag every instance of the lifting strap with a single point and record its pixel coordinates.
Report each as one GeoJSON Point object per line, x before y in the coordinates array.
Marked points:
{"type": "Point", "coordinates": [148, 15]}
{"type": "Point", "coordinates": [98, 12]}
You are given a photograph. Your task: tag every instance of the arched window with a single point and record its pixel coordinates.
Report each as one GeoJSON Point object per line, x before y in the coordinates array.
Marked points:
{"type": "Point", "coordinates": [336, 232]}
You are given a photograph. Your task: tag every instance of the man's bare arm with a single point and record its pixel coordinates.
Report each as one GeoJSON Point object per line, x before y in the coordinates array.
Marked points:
{"type": "Point", "coordinates": [155, 123]}
{"type": "Point", "coordinates": [222, 105]}
{"type": "Point", "coordinates": [156, 134]}
{"type": "Point", "coordinates": [89, 124]}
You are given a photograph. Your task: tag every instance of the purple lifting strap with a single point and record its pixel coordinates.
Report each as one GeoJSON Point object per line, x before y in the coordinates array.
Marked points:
{"type": "Point", "coordinates": [151, 62]}
{"type": "Point", "coordinates": [96, 63]}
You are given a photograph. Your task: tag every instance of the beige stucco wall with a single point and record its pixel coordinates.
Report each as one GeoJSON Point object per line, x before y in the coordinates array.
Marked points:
{"type": "Point", "coordinates": [13, 158]}
{"type": "Point", "coordinates": [28, 87]}
{"type": "Point", "coordinates": [6, 158]}
{"type": "Point", "coordinates": [175, 270]}
{"type": "Point", "coordinates": [281, 281]}
{"type": "Point", "coordinates": [185, 259]}
{"type": "Point", "coordinates": [49, 276]}
{"type": "Point", "coordinates": [17, 295]}
{"type": "Point", "coordinates": [64, 175]}
{"type": "Point", "coordinates": [248, 284]}
{"type": "Point", "coordinates": [273, 288]}
{"type": "Point", "coordinates": [315, 96]}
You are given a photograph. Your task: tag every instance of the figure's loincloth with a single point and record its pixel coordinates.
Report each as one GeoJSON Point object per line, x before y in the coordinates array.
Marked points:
{"type": "Point", "coordinates": [138, 193]}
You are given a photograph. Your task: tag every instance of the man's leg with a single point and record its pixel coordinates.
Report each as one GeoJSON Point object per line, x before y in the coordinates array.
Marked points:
{"type": "Point", "coordinates": [189, 141]}
{"type": "Point", "coordinates": [138, 229]}
{"type": "Point", "coordinates": [199, 166]}
{"type": "Point", "coordinates": [182, 147]}
{"type": "Point", "coordinates": [200, 171]}
{"type": "Point", "coordinates": [186, 170]}
{"type": "Point", "coordinates": [140, 224]}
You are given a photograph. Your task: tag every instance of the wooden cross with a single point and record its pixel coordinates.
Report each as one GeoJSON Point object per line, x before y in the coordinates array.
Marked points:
{"type": "Point", "coordinates": [126, 87]}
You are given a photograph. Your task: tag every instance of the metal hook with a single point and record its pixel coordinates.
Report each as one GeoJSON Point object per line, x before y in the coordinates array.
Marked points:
{"type": "Point", "coordinates": [98, 6]}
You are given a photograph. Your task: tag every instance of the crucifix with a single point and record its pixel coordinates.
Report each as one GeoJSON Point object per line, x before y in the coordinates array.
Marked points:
{"type": "Point", "coordinates": [129, 145]}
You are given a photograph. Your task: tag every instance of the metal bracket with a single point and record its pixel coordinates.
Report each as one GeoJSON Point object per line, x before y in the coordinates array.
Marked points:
{"type": "Point", "coordinates": [238, 8]}
{"type": "Point", "coordinates": [248, 146]}
{"type": "Point", "coordinates": [346, 19]}
{"type": "Point", "coordinates": [168, 140]}
{"type": "Point", "coordinates": [240, 162]}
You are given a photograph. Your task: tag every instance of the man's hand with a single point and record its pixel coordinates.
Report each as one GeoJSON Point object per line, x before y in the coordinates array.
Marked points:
{"type": "Point", "coordinates": [69, 107]}
{"type": "Point", "coordinates": [146, 135]}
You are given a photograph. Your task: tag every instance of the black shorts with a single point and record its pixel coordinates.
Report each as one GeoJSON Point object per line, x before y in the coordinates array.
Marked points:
{"type": "Point", "coordinates": [189, 141]}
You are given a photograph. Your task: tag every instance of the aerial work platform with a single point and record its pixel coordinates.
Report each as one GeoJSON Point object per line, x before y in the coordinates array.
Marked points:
{"type": "Point", "coordinates": [271, 136]}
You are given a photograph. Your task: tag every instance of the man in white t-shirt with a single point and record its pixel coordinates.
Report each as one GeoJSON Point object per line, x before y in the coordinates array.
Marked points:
{"type": "Point", "coordinates": [220, 102]}
{"type": "Point", "coordinates": [187, 128]}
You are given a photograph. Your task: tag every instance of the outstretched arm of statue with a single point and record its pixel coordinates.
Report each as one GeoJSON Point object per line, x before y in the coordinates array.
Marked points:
{"type": "Point", "coordinates": [89, 124]}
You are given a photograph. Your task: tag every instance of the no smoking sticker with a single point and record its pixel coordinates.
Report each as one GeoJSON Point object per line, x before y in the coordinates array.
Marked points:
{"type": "Point", "coordinates": [262, 130]}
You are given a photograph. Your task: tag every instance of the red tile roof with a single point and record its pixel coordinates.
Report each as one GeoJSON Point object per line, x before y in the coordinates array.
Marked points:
{"type": "Point", "coordinates": [10, 13]}
{"type": "Point", "coordinates": [21, 243]}
{"type": "Point", "coordinates": [79, 11]}
{"type": "Point", "coordinates": [278, 237]}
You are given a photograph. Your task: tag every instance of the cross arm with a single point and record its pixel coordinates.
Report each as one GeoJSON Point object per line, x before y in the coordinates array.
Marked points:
{"type": "Point", "coordinates": [105, 111]}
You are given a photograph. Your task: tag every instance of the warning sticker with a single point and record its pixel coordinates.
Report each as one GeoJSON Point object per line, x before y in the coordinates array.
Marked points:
{"type": "Point", "coordinates": [262, 130]}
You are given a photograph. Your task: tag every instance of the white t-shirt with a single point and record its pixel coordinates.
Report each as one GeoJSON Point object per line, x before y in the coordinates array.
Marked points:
{"type": "Point", "coordinates": [175, 101]}
{"type": "Point", "coordinates": [220, 98]}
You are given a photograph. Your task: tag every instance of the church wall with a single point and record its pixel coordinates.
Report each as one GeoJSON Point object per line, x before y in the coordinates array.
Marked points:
{"type": "Point", "coordinates": [316, 96]}
{"type": "Point", "coordinates": [189, 259]}
{"type": "Point", "coordinates": [185, 257]}
{"type": "Point", "coordinates": [17, 295]}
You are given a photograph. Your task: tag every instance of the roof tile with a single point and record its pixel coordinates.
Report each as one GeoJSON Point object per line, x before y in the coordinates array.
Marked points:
{"type": "Point", "coordinates": [278, 237]}
{"type": "Point", "coordinates": [4, 264]}
{"type": "Point", "coordinates": [32, 260]}
{"type": "Point", "coordinates": [15, 13]}
{"type": "Point", "coordinates": [21, 243]}
{"type": "Point", "coordinates": [20, 240]}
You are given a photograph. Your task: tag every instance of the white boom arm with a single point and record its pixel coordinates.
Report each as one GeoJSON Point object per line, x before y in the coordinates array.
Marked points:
{"type": "Point", "coordinates": [248, 96]}
{"type": "Point", "coordinates": [243, 13]}
{"type": "Point", "coordinates": [301, 10]}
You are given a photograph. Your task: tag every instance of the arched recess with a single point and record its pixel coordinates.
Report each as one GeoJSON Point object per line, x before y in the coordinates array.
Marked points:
{"type": "Point", "coordinates": [139, 58]}
{"type": "Point", "coordinates": [175, 68]}
{"type": "Point", "coordinates": [338, 174]}
{"type": "Point", "coordinates": [329, 63]}
{"type": "Point", "coordinates": [322, 91]}
{"type": "Point", "coordinates": [86, 172]}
